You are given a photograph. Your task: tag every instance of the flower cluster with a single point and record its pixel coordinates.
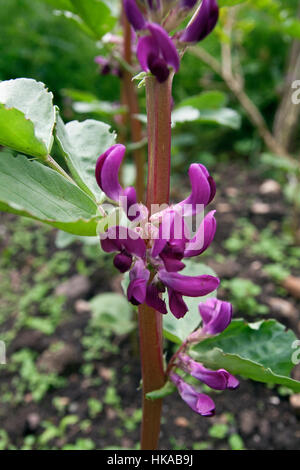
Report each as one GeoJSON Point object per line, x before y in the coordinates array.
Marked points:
{"type": "Point", "coordinates": [156, 50]}
{"type": "Point", "coordinates": [216, 316]}
{"type": "Point", "coordinates": [153, 248]}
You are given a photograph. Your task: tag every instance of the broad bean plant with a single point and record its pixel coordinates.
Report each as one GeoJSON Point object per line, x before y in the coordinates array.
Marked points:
{"type": "Point", "coordinates": [153, 240]}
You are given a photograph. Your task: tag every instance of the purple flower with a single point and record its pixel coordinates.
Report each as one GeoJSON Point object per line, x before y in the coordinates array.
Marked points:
{"type": "Point", "coordinates": [202, 23]}
{"type": "Point", "coordinates": [190, 286]}
{"type": "Point", "coordinates": [216, 315]}
{"type": "Point", "coordinates": [157, 52]}
{"type": "Point", "coordinates": [134, 15]}
{"type": "Point", "coordinates": [216, 379]}
{"type": "Point", "coordinates": [127, 242]}
{"type": "Point", "coordinates": [203, 190]}
{"type": "Point", "coordinates": [139, 277]}
{"type": "Point", "coordinates": [107, 169]}
{"type": "Point", "coordinates": [199, 402]}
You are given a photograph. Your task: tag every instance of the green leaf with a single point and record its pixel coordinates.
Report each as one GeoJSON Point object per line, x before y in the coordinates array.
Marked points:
{"type": "Point", "coordinates": [97, 15]}
{"type": "Point", "coordinates": [33, 190]}
{"type": "Point", "coordinates": [112, 311]}
{"type": "Point", "coordinates": [260, 351]}
{"type": "Point", "coordinates": [230, 3]}
{"type": "Point", "coordinates": [206, 101]}
{"type": "Point", "coordinates": [177, 330]}
{"type": "Point", "coordinates": [81, 144]}
{"type": "Point", "coordinates": [60, 4]}
{"type": "Point", "coordinates": [27, 117]}
{"type": "Point", "coordinates": [163, 392]}
{"type": "Point", "coordinates": [223, 116]}
{"type": "Point", "coordinates": [85, 102]}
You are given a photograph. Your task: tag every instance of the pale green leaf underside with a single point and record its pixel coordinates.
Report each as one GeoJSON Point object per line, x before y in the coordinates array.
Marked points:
{"type": "Point", "coordinates": [223, 117]}
{"type": "Point", "coordinates": [177, 330]}
{"type": "Point", "coordinates": [261, 351]}
{"type": "Point", "coordinates": [27, 117]}
{"type": "Point", "coordinates": [30, 189]}
{"type": "Point", "coordinates": [81, 144]}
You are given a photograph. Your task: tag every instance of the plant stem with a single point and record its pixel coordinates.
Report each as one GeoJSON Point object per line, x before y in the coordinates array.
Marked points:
{"type": "Point", "coordinates": [158, 189]}
{"type": "Point", "coordinates": [133, 107]}
{"type": "Point", "coordinates": [55, 166]}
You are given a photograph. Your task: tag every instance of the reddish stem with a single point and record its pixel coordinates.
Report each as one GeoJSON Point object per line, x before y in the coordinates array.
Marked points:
{"type": "Point", "coordinates": [158, 189]}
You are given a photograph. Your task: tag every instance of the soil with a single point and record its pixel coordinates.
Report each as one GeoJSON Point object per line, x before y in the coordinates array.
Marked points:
{"type": "Point", "coordinates": [263, 417]}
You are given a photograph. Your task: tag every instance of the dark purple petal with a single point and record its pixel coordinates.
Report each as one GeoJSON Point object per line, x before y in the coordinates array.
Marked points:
{"type": "Point", "coordinates": [139, 276]}
{"type": "Point", "coordinates": [203, 22]}
{"type": "Point", "coordinates": [176, 303]}
{"type": "Point", "coordinates": [123, 262]}
{"type": "Point", "coordinates": [129, 203]}
{"type": "Point", "coordinates": [199, 402]}
{"type": "Point", "coordinates": [203, 237]}
{"type": "Point", "coordinates": [191, 286]}
{"type": "Point", "coordinates": [154, 300]}
{"type": "Point", "coordinates": [121, 238]}
{"type": "Point", "coordinates": [147, 46]}
{"type": "Point", "coordinates": [166, 45]}
{"type": "Point", "coordinates": [172, 261]}
{"type": "Point", "coordinates": [136, 292]}
{"type": "Point", "coordinates": [203, 190]}
{"type": "Point", "coordinates": [107, 169]}
{"type": "Point", "coordinates": [216, 315]}
{"type": "Point", "coordinates": [158, 68]}
{"type": "Point", "coordinates": [134, 15]}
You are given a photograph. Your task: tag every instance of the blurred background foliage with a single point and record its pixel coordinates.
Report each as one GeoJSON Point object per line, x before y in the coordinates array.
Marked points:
{"type": "Point", "coordinates": [50, 47]}
{"type": "Point", "coordinates": [232, 98]}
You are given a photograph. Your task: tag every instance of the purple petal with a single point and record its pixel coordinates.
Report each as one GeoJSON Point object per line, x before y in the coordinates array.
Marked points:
{"type": "Point", "coordinates": [233, 382]}
{"type": "Point", "coordinates": [216, 379]}
{"type": "Point", "coordinates": [147, 47]}
{"type": "Point", "coordinates": [172, 262]}
{"type": "Point", "coordinates": [216, 315]}
{"type": "Point", "coordinates": [139, 276]}
{"type": "Point", "coordinates": [203, 190]}
{"type": "Point", "coordinates": [203, 23]}
{"type": "Point", "coordinates": [134, 15]}
{"type": "Point", "coordinates": [119, 238]}
{"type": "Point", "coordinates": [129, 203]}
{"type": "Point", "coordinates": [123, 262]}
{"type": "Point", "coordinates": [199, 402]}
{"type": "Point", "coordinates": [203, 237]}
{"type": "Point", "coordinates": [153, 299]}
{"type": "Point", "coordinates": [191, 286]}
{"type": "Point", "coordinates": [107, 169]}
{"type": "Point", "coordinates": [158, 68]}
{"type": "Point", "coordinates": [166, 45]}
{"type": "Point", "coordinates": [136, 292]}
{"type": "Point", "coordinates": [176, 303]}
